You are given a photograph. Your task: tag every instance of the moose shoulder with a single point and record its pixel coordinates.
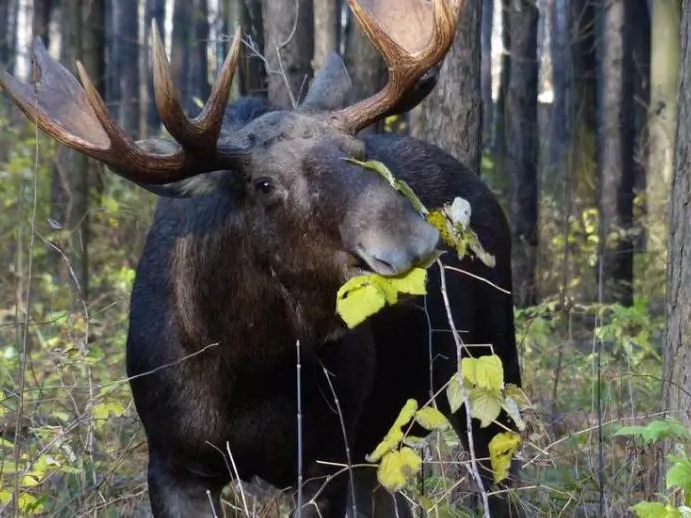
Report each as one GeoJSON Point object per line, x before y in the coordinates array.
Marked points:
{"type": "Point", "coordinates": [261, 219]}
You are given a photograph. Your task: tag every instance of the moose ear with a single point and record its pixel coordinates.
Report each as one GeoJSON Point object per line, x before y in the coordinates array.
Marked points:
{"type": "Point", "coordinates": [187, 188]}
{"type": "Point", "coordinates": [330, 86]}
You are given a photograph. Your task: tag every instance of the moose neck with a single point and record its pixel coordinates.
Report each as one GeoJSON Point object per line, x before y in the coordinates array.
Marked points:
{"type": "Point", "coordinates": [226, 292]}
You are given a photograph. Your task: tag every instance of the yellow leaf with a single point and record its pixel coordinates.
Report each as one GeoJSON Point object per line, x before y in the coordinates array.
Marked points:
{"type": "Point", "coordinates": [29, 481]}
{"type": "Point", "coordinates": [485, 405]}
{"type": "Point", "coordinates": [384, 285]}
{"type": "Point", "coordinates": [391, 440]}
{"type": "Point", "coordinates": [406, 414]}
{"type": "Point", "coordinates": [395, 434]}
{"type": "Point", "coordinates": [397, 467]}
{"type": "Point", "coordinates": [502, 448]}
{"type": "Point", "coordinates": [5, 496]}
{"type": "Point", "coordinates": [514, 412]}
{"type": "Point", "coordinates": [485, 371]}
{"type": "Point", "coordinates": [518, 395]}
{"type": "Point", "coordinates": [28, 503]}
{"type": "Point", "coordinates": [356, 304]}
{"type": "Point", "coordinates": [431, 419]}
{"type": "Point", "coordinates": [438, 220]}
{"type": "Point", "coordinates": [412, 282]}
{"type": "Point", "coordinates": [454, 393]}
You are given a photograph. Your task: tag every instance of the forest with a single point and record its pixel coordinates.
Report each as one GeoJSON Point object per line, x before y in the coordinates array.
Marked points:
{"type": "Point", "coordinates": [575, 113]}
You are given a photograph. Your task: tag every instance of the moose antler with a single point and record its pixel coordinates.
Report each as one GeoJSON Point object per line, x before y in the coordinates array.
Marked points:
{"type": "Point", "coordinates": [412, 36]}
{"type": "Point", "coordinates": [77, 117]}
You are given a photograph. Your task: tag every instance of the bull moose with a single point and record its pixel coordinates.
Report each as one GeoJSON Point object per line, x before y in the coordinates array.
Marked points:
{"type": "Point", "coordinates": [261, 219]}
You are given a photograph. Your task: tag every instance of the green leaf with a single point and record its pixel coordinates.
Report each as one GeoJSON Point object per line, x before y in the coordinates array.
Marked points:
{"type": "Point", "coordinates": [357, 301]}
{"type": "Point", "coordinates": [431, 419]}
{"type": "Point", "coordinates": [502, 448]}
{"type": "Point", "coordinates": [104, 409]}
{"type": "Point", "coordinates": [485, 405]}
{"type": "Point", "coordinates": [655, 510]}
{"type": "Point", "coordinates": [485, 371]}
{"type": "Point", "coordinates": [679, 475]}
{"type": "Point", "coordinates": [636, 431]}
{"type": "Point", "coordinates": [398, 467]}
{"type": "Point", "coordinates": [657, 430]}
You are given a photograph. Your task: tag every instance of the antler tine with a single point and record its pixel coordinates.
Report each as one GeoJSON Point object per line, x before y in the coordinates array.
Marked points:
{"type": "Point", "coordinates": [412, 37]}
{"type": "Point", "coordinates": [203, 130]}
{"type": "Point", "coordinates": [77, 117]}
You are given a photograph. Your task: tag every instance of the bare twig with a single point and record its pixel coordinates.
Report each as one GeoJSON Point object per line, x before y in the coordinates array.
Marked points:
{"type": "Point", "coordinates": [469, 424]}
{"type": "Point", "coordinates": [349, 460]}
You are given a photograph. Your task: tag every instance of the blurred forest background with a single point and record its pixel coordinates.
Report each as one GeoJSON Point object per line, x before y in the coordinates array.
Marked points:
{"type": "Point", "coordinates": [566, 108]}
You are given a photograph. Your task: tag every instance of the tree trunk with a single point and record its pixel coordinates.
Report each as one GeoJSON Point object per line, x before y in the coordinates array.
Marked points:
{"type": "Point", "coordinates": [289, 47]}
{"type": "Point", "coordinates": [615, 156]}
{"type": "Point", "coordinates": [8, 33]}
{"type": "Point", "coordinates": [252, 73]}
{"type": "Point", "coordinates": [199, 65]}
{"type": "Point", "coordinates": [486, 69]}
{"type": "Point", "coordinates": [521, 145]}
{"type": "Point", "coordinates": [559, 49]}
{"type": "Point", "coordinates": [499, 137]}
{"type": "Point", "coordinates": [579, 170]}
{"type": "Point", "coordinates": [125, 65]}
{"type": "Point", "coordinates": [155, 11]}
{"type": "Point", "coordinates": [365, 65]}
{"type": "Point", "coordinates": [677, 364]}
{"type": "Point", "coordinates": [664, 73]}
{"type": "Point", "coordinates": [70, 183]}
{"type": "Point", "coordinates": [457, 98]}
{"type": "Point", "coordinates": [40, 22]}
{"type": "Point", "coordinates": [181, 49]}
{"type": "Point", "coordinates": [640, 40]}
{"type": "Point", "coordinates": [326, 29]}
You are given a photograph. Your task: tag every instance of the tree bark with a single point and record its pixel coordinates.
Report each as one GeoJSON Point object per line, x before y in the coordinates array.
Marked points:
{"type": "Point", "coordinates": [499, 136]}
{"type": "Point", "coordinates": [252, 73]}
{"type": "Point", "coordinates": [125, 65]}
{"type": "Point", "coordinates": [40, 22]}
{"type": "Point", "coordinates": [486, 68]}
{"type": "Point", "coordinates": [664, 73]}
{"type": "Point", "coordinates": [326, 28]}
{"type": "Point", "coordinates": [639, 20]}
{"type": "Point", "coordinates": [155, 11]}
{"type": "Point", "coordinates": [451, 116]}
{"type": "Point", "coordinates": [615, 156]}
{"type": "Point", "coordinates": [82, 30]}
{"type": "Point", "coordinates": [200, 88]}
{"type": "Point", "coordinates": [521, 145]}
{"type": "Point", "coordinates": [289, 47]}
{"type": "Point", "coordinates": [677, 354]}
{"type": "Point", "coordinates": [8, 33]}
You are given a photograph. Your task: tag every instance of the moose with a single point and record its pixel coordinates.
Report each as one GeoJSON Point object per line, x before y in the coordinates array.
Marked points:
{"type": "Point", "coordinates": [261, 219]}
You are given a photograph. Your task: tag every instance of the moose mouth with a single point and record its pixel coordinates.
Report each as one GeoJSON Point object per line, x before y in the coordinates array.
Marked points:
{"type": "Point", "coordinates": [362, 263]}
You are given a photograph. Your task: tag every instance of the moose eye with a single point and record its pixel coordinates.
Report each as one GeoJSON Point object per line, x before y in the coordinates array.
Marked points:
{"type": "Point", "coordinates": [264, 185]}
